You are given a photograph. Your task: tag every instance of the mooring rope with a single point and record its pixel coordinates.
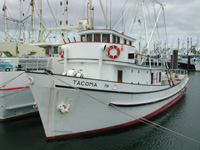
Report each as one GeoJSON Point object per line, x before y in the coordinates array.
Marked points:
{"type": "Point", "coordinates": [141, 119]}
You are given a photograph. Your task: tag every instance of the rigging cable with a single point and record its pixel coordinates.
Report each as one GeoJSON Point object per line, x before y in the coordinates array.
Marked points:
{"type": "Point", "coordinates": [121, 17]}
{"type": "Point", "coordinates": [117, 16]}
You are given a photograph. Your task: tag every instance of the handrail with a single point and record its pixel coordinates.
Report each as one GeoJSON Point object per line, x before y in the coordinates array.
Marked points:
{"type": "Point", "coordinates": [24, 64]}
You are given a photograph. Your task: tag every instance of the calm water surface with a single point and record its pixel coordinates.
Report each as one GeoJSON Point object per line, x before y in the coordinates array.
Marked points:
{"type": "Point", "coordinates": [183, 117]}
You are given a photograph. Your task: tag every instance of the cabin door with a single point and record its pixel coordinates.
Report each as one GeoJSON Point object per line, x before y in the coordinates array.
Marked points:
{"type": "Point", "coordinates": [151, 78]}
{"type": "Point", "coordinates": [119, 78]}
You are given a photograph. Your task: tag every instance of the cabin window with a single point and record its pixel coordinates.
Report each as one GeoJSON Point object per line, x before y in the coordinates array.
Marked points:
{"type": "Point", "coordinates": [106, 38]}
{"type": "Point", "coordinates": [114, 39]}
{"type": "Point", "coordinates": [131, 56]}
{"type": "Point", "coordinates": [118, 40]}
{"type": "Point", "coordinates": [124, 41]}
{"type": "Point", "coordinates": [119, 78]}
{"type": "Point", "coordinates": [82, 38]}
{"type": "Point", "coordinates": [130, 43]}
{"type": "Point", "coordinates": [97, 37]}
{"type": "Point", "coordinates": [55, 50]}
{"type": "Point", "coordinates": [89, 37]}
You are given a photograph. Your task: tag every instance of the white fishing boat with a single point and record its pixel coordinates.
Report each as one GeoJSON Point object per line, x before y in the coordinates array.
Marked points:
{"type": "Point", "coordinates": [105, 85]}
{"type": "Point", "coordinates": [16, 99]}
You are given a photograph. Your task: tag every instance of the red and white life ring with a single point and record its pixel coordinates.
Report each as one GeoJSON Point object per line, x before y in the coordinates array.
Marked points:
{"type": "Point", "coordinates": [61, 52]}
{"type": "Point", "coordinates": [113, 47]}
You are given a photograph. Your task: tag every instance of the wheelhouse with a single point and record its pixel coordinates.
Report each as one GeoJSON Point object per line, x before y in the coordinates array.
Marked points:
{"type": "Point", "coordinates": [106, 36]}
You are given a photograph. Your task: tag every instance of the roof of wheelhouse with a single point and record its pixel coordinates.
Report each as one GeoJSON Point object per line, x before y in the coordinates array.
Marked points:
{"type": "Point", "coordinates": [107, 31]}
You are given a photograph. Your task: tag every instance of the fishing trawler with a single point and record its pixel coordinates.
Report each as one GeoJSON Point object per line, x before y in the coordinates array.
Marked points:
{"type": "Point", "coordinates": [105, 85]}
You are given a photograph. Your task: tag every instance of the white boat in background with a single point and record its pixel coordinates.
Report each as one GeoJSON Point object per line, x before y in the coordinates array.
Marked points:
{"type": "Point", "coordinates": [197, 64]}
{"type": "Point", "coordinates": [16, 99]}
{"type": "Point", "coordinates": [105, 85]}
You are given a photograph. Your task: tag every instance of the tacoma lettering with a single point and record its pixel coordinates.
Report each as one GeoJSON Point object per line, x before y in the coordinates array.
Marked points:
{"type": "Point", "coordinates": [84, 83]}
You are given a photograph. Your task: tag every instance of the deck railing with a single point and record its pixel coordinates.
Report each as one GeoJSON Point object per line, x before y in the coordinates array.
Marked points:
{"type": "Point", "coordinates": [178, 71]}
{"type": "Point", "coordinates": [25, 64]}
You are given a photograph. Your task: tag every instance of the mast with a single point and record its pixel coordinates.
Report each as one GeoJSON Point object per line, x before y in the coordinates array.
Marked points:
{"type": "Point", "coordinates": [110, 12]}
{"type": "Point", "coordinates": [40, 20]}
{"type": "Point", "coordinates": [90, 14]}
{"type": "Point", "coordinates": [64, 10]}
{"type": "Point", "coordinates": [187, 45]}
{"type": "Point", "coordinates": [62, 28]}
{"type": "Point", "coordinates": [107, 24]}
{"type": "Point", "coordinates": [178, 45]}
{"type": "Point", "coordinates": [146, 35]}
{"type": "Point", "coordinates": [20, 23]}
{"type": "Point", "coordinates": [140, 27]}
{"type": "Point", "coordinates": [32, 21]}
{"type": "Point", "coordinates": [154, 28]}
{"type": "Point", "coordinates": [5, 19]}
{"type": "Point", "coordinates": [153, 31]}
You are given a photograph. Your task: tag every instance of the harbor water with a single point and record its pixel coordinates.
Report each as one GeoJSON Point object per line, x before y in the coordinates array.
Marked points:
{"type": "Point", "coordinates": [183, 118]}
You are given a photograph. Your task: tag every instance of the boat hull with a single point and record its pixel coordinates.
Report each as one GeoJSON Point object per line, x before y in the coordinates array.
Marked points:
{"type": "Point", "coordinates": [99, 107]}
{"type": "Point", "coordinates": [197, 65]}
{"type": "Point", "coordinates": [16, 99]}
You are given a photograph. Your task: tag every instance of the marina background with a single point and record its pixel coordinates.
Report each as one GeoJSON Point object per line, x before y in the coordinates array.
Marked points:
{"type": "Point", "coordinates": [183, 118]}
{"type": "Point", "coordinates": [181, 18]}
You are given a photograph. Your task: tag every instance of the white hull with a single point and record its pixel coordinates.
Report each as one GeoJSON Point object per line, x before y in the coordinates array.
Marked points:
{"type": "Point", "coordinates": [97, 105]}
{"type": "Point", "coordinates": [16, 99]}
{"type": "Point", "coordinates": [197, 65]}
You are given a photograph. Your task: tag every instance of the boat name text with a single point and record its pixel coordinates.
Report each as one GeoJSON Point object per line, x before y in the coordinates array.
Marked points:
{"type": "Point", "coordinates": [84, 83]}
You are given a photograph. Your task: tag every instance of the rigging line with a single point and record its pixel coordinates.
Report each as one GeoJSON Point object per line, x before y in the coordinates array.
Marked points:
{"type": "Point", "coordinates": [118, 13]}
{"type": "Point", "coordinates": [121, 17]}
{"type": "Point", "coordinates": [136, 13]}
{"type": "Point", "coordinates": [25, 21]}
{"type": "Point", "coordinates": [165, 28]}
{"type": "Point", "coordinates": [141, 119]}
{"type": "Point", "coordinates": [3, 84]}
{"type": "Point", "coordinates": [151, 22]}
{"type": "Point", "coordinates": [7, 101]}
{"type": "Point", "coordinates": [157, 2]}
{"type": "Point", "coordinates": [9, 6]}
{"type": "Point", "coordinates": [157, 32]}
{"type": "Point", "coordinates": [130, 17]}
{"type": "Point", "coordinates": [136, 6]}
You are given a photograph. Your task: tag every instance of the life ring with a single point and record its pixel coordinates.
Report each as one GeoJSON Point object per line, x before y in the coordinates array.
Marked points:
{"type": "Point", "coordinates": [61, 52]}
{"type": "Point", "coordinates": [113, 47]}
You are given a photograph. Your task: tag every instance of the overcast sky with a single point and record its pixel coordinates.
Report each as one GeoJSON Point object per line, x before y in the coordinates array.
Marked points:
{"type": "Point", "coordinates": [182, 16]}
